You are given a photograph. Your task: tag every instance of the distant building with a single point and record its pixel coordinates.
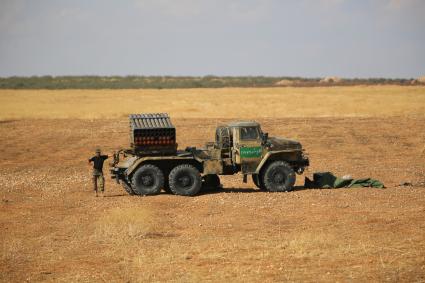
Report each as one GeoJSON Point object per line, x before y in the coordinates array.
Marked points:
{"type": "Point", "coordinates": [331, 80]}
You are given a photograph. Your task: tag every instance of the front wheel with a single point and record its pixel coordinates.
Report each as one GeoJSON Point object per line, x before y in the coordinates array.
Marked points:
{"type": "Point", "coordinates": [148, 180]}
{"type": "Point", "coordinates": [279, 177]}
{"type": "Point", "coordinates": [185, 180]}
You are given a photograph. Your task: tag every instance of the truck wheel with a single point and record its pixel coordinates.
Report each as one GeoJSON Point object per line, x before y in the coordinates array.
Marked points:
{"type": "Point", "coordinates": [211, 182]}
{"type": "Point", "coordinates": [256, 178]}
{"type": "Point", "coordinates": [279, 177]}
{"type": "Point", "coordinates": [185, 180]}
{"type": "Point", "coordinates": [148, 180]}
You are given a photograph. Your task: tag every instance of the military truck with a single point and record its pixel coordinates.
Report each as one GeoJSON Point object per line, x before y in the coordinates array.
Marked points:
{"type": "Point", "coordinates": [153, 161]}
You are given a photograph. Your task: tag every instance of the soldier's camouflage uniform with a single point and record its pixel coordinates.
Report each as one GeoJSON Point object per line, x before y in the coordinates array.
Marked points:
{"type": "Point", "coordinates": [98, 178]}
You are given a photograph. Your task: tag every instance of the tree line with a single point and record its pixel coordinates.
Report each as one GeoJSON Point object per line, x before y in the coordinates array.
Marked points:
{"type": "Point", "coordinates": [172, 82]}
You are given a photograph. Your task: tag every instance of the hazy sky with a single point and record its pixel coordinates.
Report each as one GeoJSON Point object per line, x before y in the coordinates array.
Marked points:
{"type": "Point", "coordinates": [357, 38]}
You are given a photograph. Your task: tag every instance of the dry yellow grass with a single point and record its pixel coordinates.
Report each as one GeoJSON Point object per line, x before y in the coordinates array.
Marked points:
{"type": "Point", "coordinates": [124, 224]}
{"type": "Point", "coordinates": [358, 101]}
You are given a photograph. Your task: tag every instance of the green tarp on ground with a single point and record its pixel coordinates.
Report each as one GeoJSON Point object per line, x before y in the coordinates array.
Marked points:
{"type": "Point", "coordinates": [327, 180]}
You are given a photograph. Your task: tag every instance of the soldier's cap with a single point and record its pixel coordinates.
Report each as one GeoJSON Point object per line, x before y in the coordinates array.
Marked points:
{"type": "Point", "coordinates": [97, 150]}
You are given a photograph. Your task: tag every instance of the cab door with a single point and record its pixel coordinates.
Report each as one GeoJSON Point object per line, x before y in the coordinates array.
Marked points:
{"type": "Point", "coordinates": [248, 148]}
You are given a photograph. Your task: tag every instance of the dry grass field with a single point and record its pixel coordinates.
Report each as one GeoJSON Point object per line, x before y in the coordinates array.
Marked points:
{"type": "Point", "coordinates": [359, 101]}
{"type": "Point", "coordinates": [53, 229]}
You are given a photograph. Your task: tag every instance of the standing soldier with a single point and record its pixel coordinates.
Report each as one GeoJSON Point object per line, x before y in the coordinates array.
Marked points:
{"type": "Point", "coordinates": [98, 179]}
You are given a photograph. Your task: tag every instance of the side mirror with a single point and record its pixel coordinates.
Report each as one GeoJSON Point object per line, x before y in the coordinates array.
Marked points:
{"type": "Point", "coordinates": [265, 137]}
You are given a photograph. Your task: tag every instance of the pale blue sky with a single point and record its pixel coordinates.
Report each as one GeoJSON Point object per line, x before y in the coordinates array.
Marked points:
{"type": "Point", "coordinates": [309, 38]}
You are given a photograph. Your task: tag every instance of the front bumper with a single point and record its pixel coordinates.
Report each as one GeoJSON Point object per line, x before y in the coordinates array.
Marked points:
{"type": "Point", "coordinates": [301, 164]}
{"type": "Point", "coordinates": [305, 162]}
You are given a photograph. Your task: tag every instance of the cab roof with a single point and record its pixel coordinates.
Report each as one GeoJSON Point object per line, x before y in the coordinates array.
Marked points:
{"type": "Point", "coordinates": [238, 124]}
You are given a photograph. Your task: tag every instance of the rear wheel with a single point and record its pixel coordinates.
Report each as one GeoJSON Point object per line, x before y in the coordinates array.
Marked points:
{"type": "Point", "coordinates": [185, 180]}
{"type": "Point", "coordinates": [279, 177]}
{"type": "Point", "coordinates": [148, 180]}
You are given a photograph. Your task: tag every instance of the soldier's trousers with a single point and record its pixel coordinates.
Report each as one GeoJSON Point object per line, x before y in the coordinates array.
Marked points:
{"type": "Point", "coordinates": [99, 182]}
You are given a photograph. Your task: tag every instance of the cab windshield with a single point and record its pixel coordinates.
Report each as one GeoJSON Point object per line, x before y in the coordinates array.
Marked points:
{"type": "Point", "coordinates": [249, 133]}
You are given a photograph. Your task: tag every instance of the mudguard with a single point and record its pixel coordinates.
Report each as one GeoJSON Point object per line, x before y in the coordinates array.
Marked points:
{"type": "Point", "coordinates": [286, 155]}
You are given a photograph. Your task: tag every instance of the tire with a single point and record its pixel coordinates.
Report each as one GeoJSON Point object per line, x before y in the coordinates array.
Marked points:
{"type": "Point", "coordinates": [127, 187]}
{"type": "Point", "coordinates": [211, 182]}
{"type": "Point", "coordinates": [256, 178]}
{"type": "Point", "coordinates": [185, 180]}
{"type": "Point", "coordinates": [279, 177]}
{"type": "Point", "coordinates": [148, 180]}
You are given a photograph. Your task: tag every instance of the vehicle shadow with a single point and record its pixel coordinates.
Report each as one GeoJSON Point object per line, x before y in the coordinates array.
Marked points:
{"type": "Point", "coordinates": [208, 191]}
{"type": "Point", "coordinates": [302, 188]}
{"type": "Point", "coordinates": [242, 190]}
{"type": "Point", "coordinates": [227, 190]}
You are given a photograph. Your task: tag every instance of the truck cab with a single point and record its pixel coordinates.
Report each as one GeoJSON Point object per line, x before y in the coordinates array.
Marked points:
{"type": "Point", "coordinates": [247, 145]}
{"type": "Point", "coordinates": [241, 142]}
